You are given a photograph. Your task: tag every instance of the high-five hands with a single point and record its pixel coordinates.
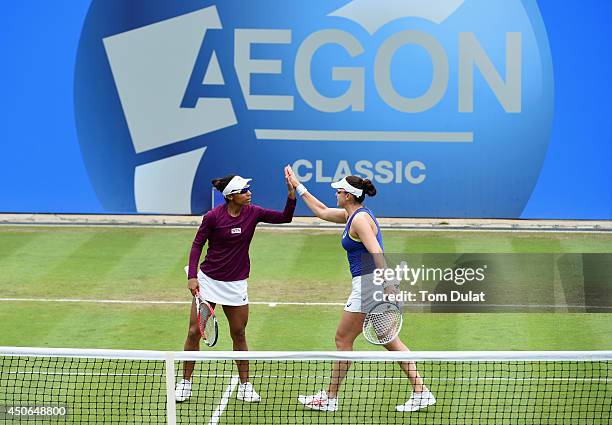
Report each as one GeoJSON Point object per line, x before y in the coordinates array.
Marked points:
{"type": "Point", "coordinates": [290, 177]}
{"type": "Point", "coordinates": [289, 180]}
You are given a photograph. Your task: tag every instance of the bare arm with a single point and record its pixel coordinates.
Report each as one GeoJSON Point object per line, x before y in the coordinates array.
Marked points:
{"type": "Point", "coordinates": [361, 226]}
{"type": "Point", "coordinates": [335, 215]}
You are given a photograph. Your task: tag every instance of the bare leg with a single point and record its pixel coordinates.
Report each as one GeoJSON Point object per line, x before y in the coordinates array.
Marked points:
{"type": "Point", "coordinates": [349, 328]}
{"type": "Point", "coordinates": [192, 343]}
{"type": "Point", "coordinates": [409, 368]}
{"type": "Point", "coordinates": [238, 316]}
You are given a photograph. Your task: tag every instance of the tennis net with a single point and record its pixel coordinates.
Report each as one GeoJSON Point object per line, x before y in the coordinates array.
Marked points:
{"type": "Point", "coordinates": [124, 387]}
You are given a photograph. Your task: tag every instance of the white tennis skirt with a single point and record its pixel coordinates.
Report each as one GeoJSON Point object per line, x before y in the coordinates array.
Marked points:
{"type": "Point", "coordinates": [223, 292]}
{"type": "Point", "coordinates": [362, 297]}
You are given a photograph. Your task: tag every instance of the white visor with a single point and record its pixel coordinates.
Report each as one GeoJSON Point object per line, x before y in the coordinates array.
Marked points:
{"type": "Point", "coordinates": [346, 186]}
{"type": "Point", "coordinates": [236, 185]}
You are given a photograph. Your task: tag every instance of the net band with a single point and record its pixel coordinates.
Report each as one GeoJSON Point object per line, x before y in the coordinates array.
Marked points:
{"type": "Point", "coordinates": [604, 355]}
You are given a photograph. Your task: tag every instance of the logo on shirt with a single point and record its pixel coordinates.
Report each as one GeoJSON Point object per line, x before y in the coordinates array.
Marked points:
{"type": "Point", "coordinates": [236, 231]}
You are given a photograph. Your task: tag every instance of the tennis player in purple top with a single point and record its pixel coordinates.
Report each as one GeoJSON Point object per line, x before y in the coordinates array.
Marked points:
{"type": "Point", "coordinates": [221, 277]}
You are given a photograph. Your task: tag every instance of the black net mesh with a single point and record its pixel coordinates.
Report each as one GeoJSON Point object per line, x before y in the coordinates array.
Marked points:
{"type": "Point", "coordinates": [93, 391]}
{"type": "Point", "coordinates": [466, 392]}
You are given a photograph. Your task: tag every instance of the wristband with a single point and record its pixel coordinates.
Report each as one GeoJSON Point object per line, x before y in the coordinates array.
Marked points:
{"type": "Point", "coordinates": [301, 189]}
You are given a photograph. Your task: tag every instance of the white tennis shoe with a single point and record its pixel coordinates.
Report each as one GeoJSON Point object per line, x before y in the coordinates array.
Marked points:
{"type": "Point", "coordinates": [417, 401]}
{"type": "Point", "coordinates": [247, 393]}
{"type": "Point", "coordinates": [183, 390]}
{"type": "Point", "coordinates": [319, 401]}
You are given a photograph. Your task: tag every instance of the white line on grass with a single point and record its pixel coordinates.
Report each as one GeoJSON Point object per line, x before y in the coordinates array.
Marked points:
{"type": "Point", "coordinates": [275, 303]}
{"type": "Point", "coordinates": [77, 300]}
{"type": "Point", "coordinates": [310, 377]}
{"type": "Point", "coordinates": [214, 420]}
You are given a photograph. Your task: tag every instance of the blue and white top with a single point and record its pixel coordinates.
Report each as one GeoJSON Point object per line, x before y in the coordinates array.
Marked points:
{"type": "Point", "coordinates": [360, 260]}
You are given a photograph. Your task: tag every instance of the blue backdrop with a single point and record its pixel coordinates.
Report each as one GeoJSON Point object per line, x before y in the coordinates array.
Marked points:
{"type": "Point", "coordinates": [132, 106]}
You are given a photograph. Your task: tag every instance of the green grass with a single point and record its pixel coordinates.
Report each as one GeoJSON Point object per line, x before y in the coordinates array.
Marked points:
{"type": "Point", "coordinates": [301, 266]}
{"type": "Point", "coordinates": [298, 266]}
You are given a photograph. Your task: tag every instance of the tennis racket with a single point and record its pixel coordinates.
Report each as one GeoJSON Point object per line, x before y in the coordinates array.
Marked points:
{"type": "Point", "coordinates": [382, 323]}
{"type": "Point", "coordinates": [207, 321]}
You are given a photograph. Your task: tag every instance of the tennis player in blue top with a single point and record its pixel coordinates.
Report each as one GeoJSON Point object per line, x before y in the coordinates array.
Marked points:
{"type": "Point", "coordinates": [361, 236]}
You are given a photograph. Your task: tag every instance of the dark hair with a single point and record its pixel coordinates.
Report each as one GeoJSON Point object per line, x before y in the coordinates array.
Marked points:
{"type": "Point", "coordinates": [364, 184]}
{"type": "Point", "coordinates": [221, 183]}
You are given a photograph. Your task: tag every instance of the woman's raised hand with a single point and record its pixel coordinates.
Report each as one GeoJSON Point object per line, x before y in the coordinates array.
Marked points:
{"type": "Point", "coordinates": [290, 185]}
{"type": "Point", "coordinates": [291, 179]}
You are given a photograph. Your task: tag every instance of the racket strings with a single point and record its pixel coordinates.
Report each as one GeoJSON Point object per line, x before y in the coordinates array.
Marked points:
{"type": "Point", "coordinates": [382, 325]}
{"type": "Point", "coordinates": [205, 314]}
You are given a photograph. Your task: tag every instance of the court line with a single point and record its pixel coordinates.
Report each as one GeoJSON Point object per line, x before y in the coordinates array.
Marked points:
{"type": "Point", "coordinates": [78, 300]}
{"type": "Point", "coordinates": [214, 420]}
{"type": "Point", "coordinates": [308, 377]}
{"type": "Point", "coordinates": [275, 303]}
